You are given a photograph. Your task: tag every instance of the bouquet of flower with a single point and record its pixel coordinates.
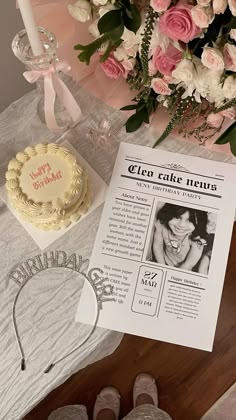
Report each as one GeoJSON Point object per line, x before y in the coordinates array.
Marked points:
{"type": "Point", "coordinates": [180, 54]}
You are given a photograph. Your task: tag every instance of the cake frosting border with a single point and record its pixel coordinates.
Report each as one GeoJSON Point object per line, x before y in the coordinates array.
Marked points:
{"type": "Point", "coordinates": [20, 200]}
{"type": "Point", "coordinates": [73, 218]}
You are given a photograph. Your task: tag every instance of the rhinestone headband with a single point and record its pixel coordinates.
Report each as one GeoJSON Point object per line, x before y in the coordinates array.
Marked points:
{"type": "Point", "coordinates": [28, 269]}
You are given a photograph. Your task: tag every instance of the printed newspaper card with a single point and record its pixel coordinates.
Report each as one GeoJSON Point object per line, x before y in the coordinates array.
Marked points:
{"type": "Point", "coordinates": [163, 244]}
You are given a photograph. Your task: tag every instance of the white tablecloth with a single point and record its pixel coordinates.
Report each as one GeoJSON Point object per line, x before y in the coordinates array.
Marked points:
{"type": "Point", "coordinates": [46, 309]}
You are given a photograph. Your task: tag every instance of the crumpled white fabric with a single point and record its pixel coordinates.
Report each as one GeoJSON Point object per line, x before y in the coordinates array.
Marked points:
{"type": "Point", "coordinates": [79, 412]}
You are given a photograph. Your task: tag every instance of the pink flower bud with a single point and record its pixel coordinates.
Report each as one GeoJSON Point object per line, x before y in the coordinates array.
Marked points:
{"type": "Point", "coordinates": [160, 5]}
{"type": "Point", "coordinates": [215, 120]}
{"type": "Point", "coordinates": [160, 86]}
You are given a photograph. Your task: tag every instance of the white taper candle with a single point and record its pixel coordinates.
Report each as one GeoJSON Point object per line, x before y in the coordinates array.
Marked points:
{"type": "Point", "coordinates": [30, 26]}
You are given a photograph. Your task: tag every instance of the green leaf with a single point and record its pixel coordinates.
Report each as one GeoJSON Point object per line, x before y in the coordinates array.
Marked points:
{"type": "Point", "coordinates": [110, 21]}
{"type": "Point", "coordinates": [132, 23]}
{"type": "Point", "coordinates": [90, 49]}
{"type": "Point", "coordinates": [134, 122]}
{"type": "Point", "coordinates": [129, 107]}
{"type": "Point", "coordinates": [116, 34]}
{"type": "Point", "coordinates": [128, 13]}
{"type": "Point", "coordinates": [151, 106]}
{"type": "Point", "coordinates": [117, 43]}
{"type": "Point", "coordinates": [233, 146]}
{"type": "Point", "coordinates": [126, 4]}
{"type": "Point", "coordinates": [229, 135]}
{"type": "Point", "coordinates": [80, 47]}
{"type": "Point", "coordinates": [232, 23]}
{"type": "Point", "coordinates": [85, 57]}
{"type": "Point", "coordinates": [144, 115]}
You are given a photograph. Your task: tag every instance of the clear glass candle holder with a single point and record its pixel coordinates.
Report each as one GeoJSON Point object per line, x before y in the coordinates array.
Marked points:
{"type": "Point", "coordinates": [22, 50]}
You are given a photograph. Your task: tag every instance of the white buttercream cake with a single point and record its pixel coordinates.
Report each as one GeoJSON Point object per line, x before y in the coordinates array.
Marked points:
{"type": "Point", "coordinates": [47, 186]}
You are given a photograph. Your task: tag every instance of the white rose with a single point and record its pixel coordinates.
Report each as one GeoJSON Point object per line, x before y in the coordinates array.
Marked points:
{"type": "Point", "coordinates": [80, 10]}
{"type": "Point", "coordinates": [212, 58]}
{"type": "Point", "coordinates": [120, 53]}
{"type": "Point", "coordinates": [132, 52]}
{"type": "Point", "coordinates": [130, 39]}
{"type": "Point", "coordinates": [229, 87]}
{"type": "Point", "coordinates": [232, 6]}
{"type": "Point", "coordinates": [103, 10]}
{"type": "Point", "coordinates": [219, 6]}
{"type": "Point", "coordinates": [93, 29]}
{"type": "Point", "coordinates": [184, 71]}
{"type": "Point", "coordinates": [100, 2]}
{"type": "Point", "coordinates": [232, 34]}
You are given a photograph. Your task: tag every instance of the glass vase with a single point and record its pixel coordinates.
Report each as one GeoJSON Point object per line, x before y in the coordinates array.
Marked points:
{"type": "Point", "coordinates": [22, 50]}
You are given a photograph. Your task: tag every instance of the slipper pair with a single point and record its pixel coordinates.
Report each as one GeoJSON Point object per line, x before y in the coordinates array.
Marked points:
{"type": "Point", "coordinates": [109, 397]}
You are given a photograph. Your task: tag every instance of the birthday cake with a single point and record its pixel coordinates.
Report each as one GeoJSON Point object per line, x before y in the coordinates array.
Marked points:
{"type": "Point", "coordinates": [47, 186]}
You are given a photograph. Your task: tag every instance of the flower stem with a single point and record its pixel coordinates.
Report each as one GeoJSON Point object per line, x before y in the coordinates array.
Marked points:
{"type": "Point", "coordinates": [171, 125]}
{"type": "Point", "coordinates": [150, 20]}
{"type": "Point", "coordinates": [228, 105]}
{"type": "Point", "coordinates": [184, 104]}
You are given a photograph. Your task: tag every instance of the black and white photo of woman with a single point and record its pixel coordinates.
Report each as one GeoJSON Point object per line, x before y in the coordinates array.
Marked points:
{"type": "Point", "coordinates": [181, 239]}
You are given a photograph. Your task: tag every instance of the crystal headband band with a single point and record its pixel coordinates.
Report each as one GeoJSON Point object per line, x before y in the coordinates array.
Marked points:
{"type": "Point", "coordinates": [54, 259]}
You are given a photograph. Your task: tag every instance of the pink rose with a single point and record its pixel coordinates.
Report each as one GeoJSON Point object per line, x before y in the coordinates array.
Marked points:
{"type": "Point", "coordinates": [229, 53]}
{"type": "Point", "coordinates": [212, 58]}
{"type": "Point", "coordinates": [168, 79]}
{"type": "Point", "coordinates": [160, 86]}
{"type": "Point", "coordinates": [160, 5]}
{"type": "Point", "coordinates": [219, 6]}
{"type": "Point", "coordinates": [215, 120]}
{"type": "Point", "coordinates": [177, 23]}
{"type": "Point", "coordinates": [229, 113]}
{"type": "Point", "coordinates": [166, 61]}
{"type": "Point", "coordinates": [232, 6]}
{"type": "Point", "coordinates": [112, 68]}
{"type": "Point", "coordinates": [202, 16]}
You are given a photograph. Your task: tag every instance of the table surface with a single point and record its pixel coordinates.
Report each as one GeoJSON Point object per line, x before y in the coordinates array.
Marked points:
{"type": "Point", "coordinates": [46, 308]}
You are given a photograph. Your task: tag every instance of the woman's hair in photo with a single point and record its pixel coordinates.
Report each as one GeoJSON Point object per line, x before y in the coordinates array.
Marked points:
{"type": "Point", "coordinates": [197, 217]}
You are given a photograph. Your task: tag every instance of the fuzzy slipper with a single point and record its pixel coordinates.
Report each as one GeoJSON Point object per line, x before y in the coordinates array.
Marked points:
{"type": "Point", "coordinates": [145, 384]}
{"type": "Point", "coordinates": [108, 398]}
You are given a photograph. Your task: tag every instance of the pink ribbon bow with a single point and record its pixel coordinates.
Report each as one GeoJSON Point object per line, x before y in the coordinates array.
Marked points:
{"type": "Point", "coordinates": [54, 86]}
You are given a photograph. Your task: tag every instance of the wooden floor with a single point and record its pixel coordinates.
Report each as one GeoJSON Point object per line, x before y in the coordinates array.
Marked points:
{"type": "Point", "coordinates": [189, 380]}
